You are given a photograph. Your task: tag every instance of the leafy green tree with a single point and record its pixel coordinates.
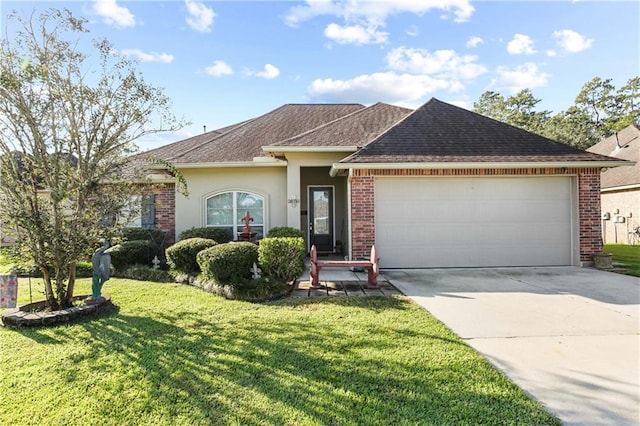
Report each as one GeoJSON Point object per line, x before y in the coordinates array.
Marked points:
{"type": "Point", "coordinates": [518, 110]}
{"type": "Point", "coordinates": [626, 109]}
{"type": "Point", "coordinates": [599, 110]}
{"type": "Point", "coordinates": [492, 104]}
{"type": "Point", "coordinates": [522, 113]}
{"type": "Point", "coordinates": [570, 127]}
{"type": "Point", "coordinates": [68, 122]}
{"type": "Point", "coordinates": [596, 102]}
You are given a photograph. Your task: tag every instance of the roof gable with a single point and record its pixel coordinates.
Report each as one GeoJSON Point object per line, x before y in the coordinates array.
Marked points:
{"type": "Point", "coordinates": [441, 132]}
{"type": "Point", "coordinates": [624, 145]}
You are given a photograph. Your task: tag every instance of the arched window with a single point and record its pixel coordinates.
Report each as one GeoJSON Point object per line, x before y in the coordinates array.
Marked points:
{"type": "Point", "coordinates": [227, 209]}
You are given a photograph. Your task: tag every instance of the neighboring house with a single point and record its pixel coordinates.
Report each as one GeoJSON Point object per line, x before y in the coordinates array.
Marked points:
{"type": "Point", "coordinates": [620, 186]}
{"type": "Point", "coordinates": [440, 186]}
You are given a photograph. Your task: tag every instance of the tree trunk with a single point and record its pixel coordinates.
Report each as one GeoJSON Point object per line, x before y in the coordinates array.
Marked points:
{"type": "Point", "coordinates": [71, 284]}
{"type": "Point", "coordinates": [48, 288]}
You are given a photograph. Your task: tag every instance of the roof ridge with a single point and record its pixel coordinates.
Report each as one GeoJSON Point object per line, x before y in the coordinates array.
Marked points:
{"type": "Point", "coordinates": [365, 148]}
{"type": "Point", "coordinates": [315, 129]}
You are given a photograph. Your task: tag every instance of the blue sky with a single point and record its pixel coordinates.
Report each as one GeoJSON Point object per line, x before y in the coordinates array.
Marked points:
{"type": "Point", "coordinates": [224, 62]}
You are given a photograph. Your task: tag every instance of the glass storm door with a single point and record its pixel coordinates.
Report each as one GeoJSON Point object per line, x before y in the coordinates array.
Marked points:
{"type": "Point", "coordinates": [321, 218]}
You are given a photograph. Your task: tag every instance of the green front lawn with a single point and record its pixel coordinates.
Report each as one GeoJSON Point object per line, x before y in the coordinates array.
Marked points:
{"type": "Point", "coordinates": [626, 255]}
{"type": "Point", "coordinates": [174, 355]}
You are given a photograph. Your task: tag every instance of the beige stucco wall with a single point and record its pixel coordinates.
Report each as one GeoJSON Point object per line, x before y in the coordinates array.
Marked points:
{"type": "Point", "coordinates": [270, 182]}
{"type": "Point", "coordinates": [620, 203]}
{"type": "Point", "coordinates": [296, 161]}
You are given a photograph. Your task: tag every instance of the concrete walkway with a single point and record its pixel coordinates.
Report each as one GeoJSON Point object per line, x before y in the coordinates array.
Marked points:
{"type": "Point", "coordinates": [567, 336]}
{"type": "Point", "coordinates": [342, 282]}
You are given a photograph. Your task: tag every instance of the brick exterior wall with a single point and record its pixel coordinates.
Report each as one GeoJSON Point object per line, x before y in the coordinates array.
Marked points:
{"type": "Point", "coordinates": [363, 202]}
{"type": "Point", "coordinates": [363, 228]}
{"type": "Point", "coordinates": [589, 214]}
{"type": "Point", "coordinates": [165, 210]}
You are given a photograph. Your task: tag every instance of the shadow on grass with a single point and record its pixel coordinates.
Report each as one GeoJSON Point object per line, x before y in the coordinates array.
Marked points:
{"type": "Point", "coordinates": [308, 365]}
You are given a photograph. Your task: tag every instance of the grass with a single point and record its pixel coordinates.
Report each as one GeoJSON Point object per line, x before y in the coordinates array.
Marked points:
{"type": "Point", "coordinates": [174, 355]}
{"type": "Point", "coordinates": [626, 255]}
{"type": "Point", "coordinates": [5, 263]}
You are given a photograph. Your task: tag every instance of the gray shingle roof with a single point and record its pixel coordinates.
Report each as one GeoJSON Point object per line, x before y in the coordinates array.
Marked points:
{"type": "Point", "coordinates": [629, 141]}
{"type": "Point", "coordinates": [244, 142]}
{"type": "Point", "coordinates": [352, 130]}
{"type": "Point", "coordinates": [440, 132]}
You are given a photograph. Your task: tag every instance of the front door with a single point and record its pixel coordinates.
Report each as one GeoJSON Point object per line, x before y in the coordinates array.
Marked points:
{"type": "Point", "coordinates": [321, 218]}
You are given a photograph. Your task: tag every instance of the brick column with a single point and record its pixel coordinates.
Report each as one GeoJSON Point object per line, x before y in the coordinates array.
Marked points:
{"type": "Point", "coordinates": [589, 213]}
{"type": "Point", "coordinates": [165, 210]}
{"type": "Point", "coordinates": [363, 227]}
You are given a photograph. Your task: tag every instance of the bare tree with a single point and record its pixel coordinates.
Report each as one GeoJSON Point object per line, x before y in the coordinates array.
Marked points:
{"type": "Point", "coordinates": [68, 122]}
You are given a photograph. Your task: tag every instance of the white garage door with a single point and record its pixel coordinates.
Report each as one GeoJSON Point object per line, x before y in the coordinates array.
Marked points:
{"type": "Point", "coordinates": [473, 222]}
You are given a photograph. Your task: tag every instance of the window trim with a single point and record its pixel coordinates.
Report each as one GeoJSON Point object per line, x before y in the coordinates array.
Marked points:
{"type": "Point", "coordinates": [236, 223]}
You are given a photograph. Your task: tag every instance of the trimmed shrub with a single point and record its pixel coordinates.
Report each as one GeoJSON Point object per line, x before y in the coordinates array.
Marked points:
{"type": "Point", "coordinates": [139, 234]}
{"type": "Point", "coordinates": [144, 273]}
{"type": "Point", "coordinates": [127, 253]}
{"type": "Point", "coordinates": [181, 256]}
{"type": "Point", "coordinates": [228, 264]}
{"type": "Point", "coordinates": [284, 231]}
{"type": "Point", "coordinates": [84, 269]}
{"type": "Point", "coordinates": [220, 235]}
{"type": "Point", "coordinates": [282, 258]}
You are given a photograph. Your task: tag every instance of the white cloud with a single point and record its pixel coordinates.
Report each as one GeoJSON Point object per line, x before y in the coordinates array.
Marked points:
{"type": "Point", "coordinates": [200, 17]}
{"type": "Point", "coordinates": [355, 34]}
{"type": "Point", "coordinates": [270, 72]}
{"type": "Point", "coordinates": [218, 69]}
{"type": "Point", "coordinates": [551, 53]}
{"type": "Point", "coordinates": [474, 41]}
{"type": "Point", "coordinates": [388, 87]}
{"type": "Point", "coordinates": [445, 64]}
{"type": "Point", "coordinates": [521, 44]}
{"type": "Point", "coordinates": [371, 15]}
{"type": "Point", "coordinates": [165, 58]}
{"type": "Point", "coordinates": [413, 31]}
{"type": "Point", "coordinates": [513, 80]}
{"type": "Point", "coordinates": [114, 14]}
{"type": "Point", "coordinates": [571, 41]}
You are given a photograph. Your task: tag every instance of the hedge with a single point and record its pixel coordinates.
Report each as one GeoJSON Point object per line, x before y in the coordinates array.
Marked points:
{"type": "Point", "coordinates": [284, 231]}
{"type": "Point", "coordinates": [139, 234]}
{"type": "Point", "coordinates": [220, 235]}
{"type": "Point", "coordinates": [282, 258]}
{"type": "Point", "coordinates": [228, 264]}
{"type": "Point", "coordinates": [181, 257]}
{"type": "Point", "coordinates": [127, 253]}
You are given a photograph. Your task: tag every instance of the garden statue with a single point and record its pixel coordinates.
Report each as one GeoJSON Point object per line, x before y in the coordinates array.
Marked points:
{"type": "Point", "coordinates": [101, 271]}
{"type": "Point", "coordinates": [247, 234]}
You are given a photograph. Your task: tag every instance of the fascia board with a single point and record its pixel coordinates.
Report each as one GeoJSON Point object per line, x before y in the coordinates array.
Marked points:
{"type": "Point", "coordinates": [621, 188]}
{"type": "Point", "coordinates": [478, 165]}
{"type": "Point", "coordinates": [278, 163]}
{"type": "Point", "coordinates": [310, 149]}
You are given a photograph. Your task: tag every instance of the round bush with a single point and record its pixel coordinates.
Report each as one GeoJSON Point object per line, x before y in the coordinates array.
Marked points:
{"type": "Point", "coordinates": [282, 258]}
{"type": "Point", "coordinates": [137, 252]}
{"type": "Point", "coordinates": [284, 231]}
{"type": "Point", "coordinates": [181, 256]}
{"type": "Point", "coordinates": [228, 264]}
{"type": "Point", "coordinates": [220, 235]}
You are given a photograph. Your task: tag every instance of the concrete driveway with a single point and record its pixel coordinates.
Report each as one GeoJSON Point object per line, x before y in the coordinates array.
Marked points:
{"type": "Point", "coordinates": [568, 336]}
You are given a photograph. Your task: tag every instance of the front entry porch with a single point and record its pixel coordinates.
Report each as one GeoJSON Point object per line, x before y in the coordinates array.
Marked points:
{"type": "Point", "coordinates": [323, 210]}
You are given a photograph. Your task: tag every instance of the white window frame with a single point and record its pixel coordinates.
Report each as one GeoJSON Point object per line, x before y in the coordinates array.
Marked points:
{"type": "Point", "coordinates": [236, 222]}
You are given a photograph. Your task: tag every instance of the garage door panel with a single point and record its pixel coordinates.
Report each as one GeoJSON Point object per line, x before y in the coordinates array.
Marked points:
{"type": "Point", "coordinates": [449, 222]}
